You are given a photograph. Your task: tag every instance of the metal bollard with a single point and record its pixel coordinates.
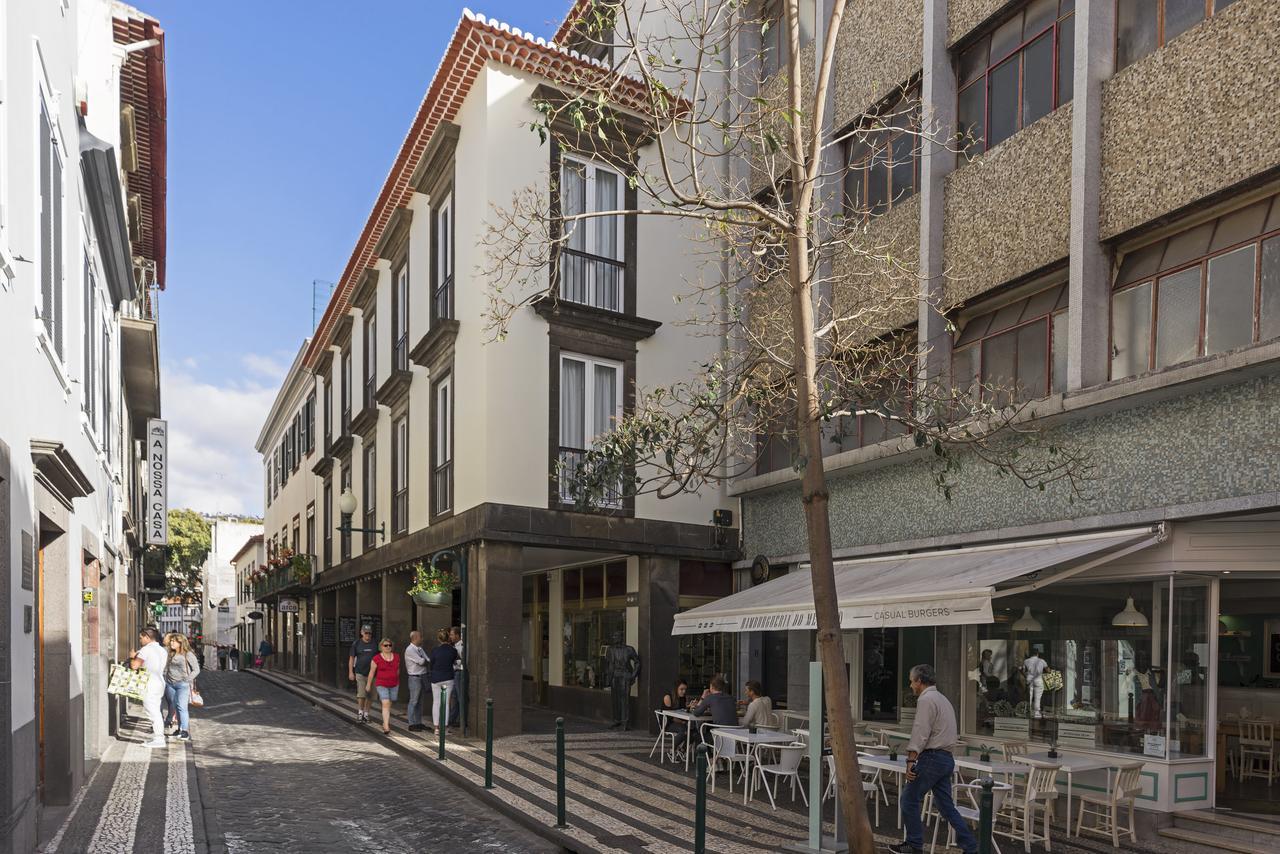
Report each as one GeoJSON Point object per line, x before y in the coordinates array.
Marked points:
{"type": "Point", "coordinates": [986, 802]}
{"type": "Point", "coordinates": [700, 804]}
{"type": "Point", "coordinates": [560, 819]}
{"type": "Point", "coordinates": [444, 720]}
{"type": "Point", "coordinates": [488, 743]}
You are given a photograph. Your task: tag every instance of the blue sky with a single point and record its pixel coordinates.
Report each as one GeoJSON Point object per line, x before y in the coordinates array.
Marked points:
{"type": "Point", "coordinates": [284, 118]}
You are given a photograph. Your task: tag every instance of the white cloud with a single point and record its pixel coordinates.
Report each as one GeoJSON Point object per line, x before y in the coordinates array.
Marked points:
{"type": "Point", "coordinates": [269, 368]}
{"type": "Point", "coordinates": [213, 465]}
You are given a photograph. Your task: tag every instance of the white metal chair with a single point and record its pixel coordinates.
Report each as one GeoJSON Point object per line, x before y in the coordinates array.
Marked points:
{"type": "Point", "coordinates": [664, 735]}
{"type": "Point", "coordinates": [1105, 807]}
{"type": "Point", "coordinates": [786, 765]}
{"type": "Point", "coordinates": [971, 811]}
{"type": "Point", "coordinates": [731, 751]}
{"type": "Point", "coordinates": [1040, 793]}
{"type": "Point", "coordinates": [871, 784]}
{"type": "Point", "coordinates": [1258, 750]}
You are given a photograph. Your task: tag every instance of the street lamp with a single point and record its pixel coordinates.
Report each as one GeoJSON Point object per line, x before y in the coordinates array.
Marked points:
{"type": "Point", "coordinates": [347, 507]}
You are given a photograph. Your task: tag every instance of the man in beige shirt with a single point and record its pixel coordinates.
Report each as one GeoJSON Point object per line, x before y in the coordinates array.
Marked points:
{"type": "Point", "coordinates": [930, 765]}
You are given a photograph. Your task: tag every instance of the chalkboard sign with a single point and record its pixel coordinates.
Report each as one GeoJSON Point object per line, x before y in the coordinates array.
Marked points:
{"type": "Point", "coordinates": [375, 621]}
{"type": "Point", "coordinates": [1272, 635]}
{"type": "Point", "coordinates": [328, 631]}
{"type": "Point", "coordinates": [346, 629]}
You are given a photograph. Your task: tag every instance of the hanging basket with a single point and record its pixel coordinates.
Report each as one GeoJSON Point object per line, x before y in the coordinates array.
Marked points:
{"type": "Point", "coordinates": [444, 597]}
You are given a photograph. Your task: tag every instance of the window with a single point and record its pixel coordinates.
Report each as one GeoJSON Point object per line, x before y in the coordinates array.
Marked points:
{"type": "Point", "coordinates": [346, 392]}
{"type": "Point", "coordinates": [267, 473]}
{"type": "Point", "coordinates": [885, 393]}
{"type": "Point", "coordinates": [284, 459]}
{"type": "Point", "coordinates": [400, 320]}
{"type": "Point", "coordinates": [328, 414]}
{"type": "Point", "coordinates": [327, 515]}
{"type": "Point", "coordinates": [89, 383]}
{"type": "Point", "coordinates": [1144, 25]}
{"type": "Point", "coordinates": [442, 294]}
{"type": "Point", "coordinates": [311, 528]}
{"type": "Point", "coordinates": [590, 405]}
{"type": "Point", "coordinates": [1018, 352]}
{"type": "Point", "coordinates": [370, 494]}
{"type": "Point", "coordinates": [773, 34]}
{"type": "Point", "coordinates": [345, 539]}
{"type": "Point", "coordinates": [592, 261]}
{"type": "Point", "coordinates": [1208, 289]}
{"type": "Point", "coordinates": [883, 156]}
{"type": "Point", "coordinates": [370, 359]}
{"type": "Point", "coordinates": [1015, 74]}
{"type": "Point", "coordinates": [51, 273]}
{"type": "Point", "coordinates": [275, 466]}
{"type": "Point", "coordinates": [309, 424]}
{"type": "Point", "coordinates": [442, 428]}
{"type": "Point", "coordinates": [594, 603]}
{"type": "Point", "coordinates": [400, 475]}
{"type": "Point", "coordinates": [105, 378]}
{"type": "Point", "coordinates": [296, 539]}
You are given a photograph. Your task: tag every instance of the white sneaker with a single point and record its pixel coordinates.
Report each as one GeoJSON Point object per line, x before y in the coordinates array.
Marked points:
{"type": "Point", "coordinates": [156, 742]}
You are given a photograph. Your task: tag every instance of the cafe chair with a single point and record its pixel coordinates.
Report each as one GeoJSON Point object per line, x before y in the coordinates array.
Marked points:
{"type": "Point", "coordinates": [787, 765]}
{"type": "Point", "coordinates": [664, 736]}
{"type": "Point", "coordinates": [871, 785]}
{"type": "Point", "coordinates": [1105, 807]}
{"type": "Point", "coordinates": [1038, 795]}
{"type": "Point", "coordinates": [971, 812]}
{"type": "Point", "coordinates": [733, 753]}
{"type": "Point", "coordinates": [1258, 750]}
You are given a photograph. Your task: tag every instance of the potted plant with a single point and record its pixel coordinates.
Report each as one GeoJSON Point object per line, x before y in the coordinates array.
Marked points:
{"type": "Point", "coordinates": [431, 585]}
{"type": "Point", "coordinates": [302, 569]}
{"type": "Point", "coordinates": [907, 708]}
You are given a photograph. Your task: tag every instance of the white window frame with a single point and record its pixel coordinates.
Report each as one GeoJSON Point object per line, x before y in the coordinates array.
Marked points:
{"type": "Point", "coordinates": [444, 239]}
{"type": "Point", "coordinates": [588, 405]}
{"type": "Point", "coordinates": [400, 311]}
{"type": "Point", "coordinates": [45, 98]}
{"type": "Point", "coordinates": [591, 168]}
{"type": "Point", "coordinates": [6, 257]}
{"type": "Point", "coordinates": [443, 420]}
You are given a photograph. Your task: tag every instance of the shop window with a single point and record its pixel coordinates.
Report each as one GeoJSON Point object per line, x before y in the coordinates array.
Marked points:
{"type": "Point", "coordinates": [1144, 25]}
{"type": "Point", "coordinates": [1016, 74]}
{"type": "Point", "coordinates": [1133, 678]}
{"type": "Point", "coordinates": [1211, 288]}
{"type": "Point", "coordinates": [594, 601]}
{"type": "Point", "coordinates": [1014, 353]}
{"type": "Point", "coordinates": [703, 656]}
{"type": "Point", "coordinates": [882, 153]}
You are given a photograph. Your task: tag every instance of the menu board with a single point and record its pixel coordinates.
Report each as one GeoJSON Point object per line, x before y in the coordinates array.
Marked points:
{"type": "Point", "coordinates": [346, 630]}
{"type": "Point", "coordinates": [328, 631]}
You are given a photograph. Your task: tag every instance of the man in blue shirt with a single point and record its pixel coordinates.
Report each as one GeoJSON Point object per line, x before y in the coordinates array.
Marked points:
{"type": "Point", "coordinates": [358, 661]}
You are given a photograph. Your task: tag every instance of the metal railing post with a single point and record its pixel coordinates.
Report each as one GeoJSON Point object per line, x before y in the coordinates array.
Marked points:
{"type": "Point", "coordinates": [700, 803]}
{"type": "Point", "coordinates": [488, 743]}
{"type": "Point", "coordinates": [444, 720]}
{"type": "Point", "coordinates": [986, 806]}
{"type": "Point", "coordinates": [560, 818]}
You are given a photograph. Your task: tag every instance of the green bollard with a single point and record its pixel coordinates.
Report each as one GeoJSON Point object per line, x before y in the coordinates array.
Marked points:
{"type": "Point", "coordinates": [986, 802]}
{"type": "Point", "coordinates": [700, 804]}
{"type": "Point", "coordinates": [560, 819]}
{"type": "Point", "coordinates": [444, 716]}
{"type": "Point", "coordinates": [488, 743]}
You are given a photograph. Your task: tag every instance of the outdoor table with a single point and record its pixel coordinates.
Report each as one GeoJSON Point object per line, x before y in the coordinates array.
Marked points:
{"type": "Point", "coordinates": [752, 740]}
{"type": "Point", "coordinates": [884, 763]}
{"type": "Point", "coordinates": [994, 767]}
{"type": "Point", "coordinates": [1071, 765]}
{"type": "Point", "coordinates": [688, 718]}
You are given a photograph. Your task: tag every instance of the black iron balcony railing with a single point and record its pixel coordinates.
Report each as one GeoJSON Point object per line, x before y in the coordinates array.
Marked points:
{"type": "Point", "coordinates": [570, 460]}
{"type": "Point", "coordinates": [400, 353]}
{"type": "Point", "coordinates": [442, 299]}
{"type": "Point", "coordinates": [371, 523]}
{"type": "Point", "coordinates": [370, 387]}
{"type": "Point", "coordinates": [591, 279]}
{"type": "Point", "coordinates": [346, 420]}
{"type": "Point", "coordinates": [400, 510]}
{"type": "Point", "coordinates": [442, 488]}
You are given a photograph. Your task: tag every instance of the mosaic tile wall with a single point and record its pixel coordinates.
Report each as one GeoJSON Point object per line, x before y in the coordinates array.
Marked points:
{"type": "Point", "coordinates": [1201, 447]}
{"type": "Point", "coordinates": [964, 15]}
{"type": "Point", "coordinates": [878, 49]}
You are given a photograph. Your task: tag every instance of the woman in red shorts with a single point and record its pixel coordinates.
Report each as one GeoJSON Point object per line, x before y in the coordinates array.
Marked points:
{"type": "Point", "coordinates": [384, 674]}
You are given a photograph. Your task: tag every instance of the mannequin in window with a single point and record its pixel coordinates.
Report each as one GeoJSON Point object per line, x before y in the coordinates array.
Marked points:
{"type": "Point", "coordinates": [1148, 687]}
{"type": "Point", "coordinates": [1034, 667]}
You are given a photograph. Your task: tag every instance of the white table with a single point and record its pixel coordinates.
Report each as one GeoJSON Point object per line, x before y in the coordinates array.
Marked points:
{"type": "Point", "coordinates": [884, 763]}
{"type": "Point", "coordinates": [688, 718]}
{"type": "Point", "coordinates": [752, 740]}
{"type": "Point", "coordinates": [1071, 764]}
{"type": "Point", "coordinates": [786, 716]}
{"type": "Point", "coordinates": [994, 767]}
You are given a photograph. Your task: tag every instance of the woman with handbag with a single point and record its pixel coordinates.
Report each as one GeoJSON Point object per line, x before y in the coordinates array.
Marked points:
{"type": "Point", "coordinates": [150, 655]}
{"type": "Point", "coordinates": [179, 683]}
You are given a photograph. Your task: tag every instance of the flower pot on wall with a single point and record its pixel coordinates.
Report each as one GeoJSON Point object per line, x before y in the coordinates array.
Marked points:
{"type": "Point", "coordinates": [444, 597]}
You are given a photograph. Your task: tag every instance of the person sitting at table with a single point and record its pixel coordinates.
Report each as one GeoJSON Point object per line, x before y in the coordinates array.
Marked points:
{"type": "Point", "coordinates": [759, 707]}
{"type": "Point", "coordinates": [677, 699]}
{"type": "Point", "coordinates": [718, 704]}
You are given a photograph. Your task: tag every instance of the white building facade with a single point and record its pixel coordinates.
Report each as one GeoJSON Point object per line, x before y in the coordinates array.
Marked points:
{"type": "Point", "coordinates": [218, 575]}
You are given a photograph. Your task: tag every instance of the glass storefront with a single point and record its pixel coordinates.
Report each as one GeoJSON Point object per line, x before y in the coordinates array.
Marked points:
{"type": "Point", "coordinates": [1110, 666]}
{"type": "Point", "coordinates": [594, 600]}
{"type": "Point", "coordinates": [703, 656]}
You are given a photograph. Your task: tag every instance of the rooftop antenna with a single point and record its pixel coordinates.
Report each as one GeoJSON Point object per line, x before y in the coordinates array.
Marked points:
{"type": "Point", "coordinates": [317, 299]}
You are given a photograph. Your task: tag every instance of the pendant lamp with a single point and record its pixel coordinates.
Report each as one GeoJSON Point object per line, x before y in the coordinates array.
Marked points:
{"type": "Point", "coordinates": [1026, 623]}
{"type": "Point", "coordinates": [1130, 617]}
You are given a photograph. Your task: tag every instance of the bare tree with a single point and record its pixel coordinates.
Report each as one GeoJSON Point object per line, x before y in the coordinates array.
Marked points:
{"type": "Point", "coordinates": [814, 318]}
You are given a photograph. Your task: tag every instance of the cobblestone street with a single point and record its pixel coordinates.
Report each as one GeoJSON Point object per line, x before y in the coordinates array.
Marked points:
{"type": "Point", "coordinates": [272, 773]}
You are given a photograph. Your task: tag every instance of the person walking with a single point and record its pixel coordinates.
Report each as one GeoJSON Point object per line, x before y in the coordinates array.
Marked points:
{"type": "Point", "coordinates": [358, 660]}
{"type": "Point", "coordinates": [151, 655]}
{"type": "Point", "coordinates": [415, 662]}
{"type": "Point", "coordinates": [1034, 667]}
{"type": "Point", "coordinates": [180, 672]}
{"type": "Point", "coordinates": [233, 659]}
{"type": "Point", "coordinates": [384, 674]}
{"type": "Point", "coordinates": [222, 656]}
{"type": "Point", "coordinates": [459, 676]}
{"type": "Point", "coordinates": [265, 651]}
{"type": "Point", "coordinates": [930, 765]}
{"type": "Point", "coordinates": [443, 656]}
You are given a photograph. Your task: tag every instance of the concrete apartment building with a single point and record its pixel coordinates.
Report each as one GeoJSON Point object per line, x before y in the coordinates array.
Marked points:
{"type": "Point", "coordinates": [228, 536]}
{"type": "Point", "coordinates": [248, 627]}
{"type": "Point", "coordinates": [450, 441]}
{"type": "Point", "coordinates": [82, 256]}
{"type": "Point", "coordinates": [1111, 240]}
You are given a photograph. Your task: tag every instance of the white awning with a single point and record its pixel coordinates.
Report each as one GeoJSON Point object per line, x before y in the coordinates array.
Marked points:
{"type": "Point", "coordinates": [942, 588]}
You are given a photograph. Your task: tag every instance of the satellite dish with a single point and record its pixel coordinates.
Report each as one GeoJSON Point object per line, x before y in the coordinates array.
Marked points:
{"type": "Point", "coordinates": [759, 569]}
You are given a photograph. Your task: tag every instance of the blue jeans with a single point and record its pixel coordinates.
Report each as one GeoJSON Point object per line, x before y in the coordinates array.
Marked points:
{"type": "Point", "coordinates": [176, 694]}
{"type": "Point", "coordinates": [415, 700]}
{"type": "Point", "coordinates": [934, 770]}
{"type": "Point", "coordinates": [386, 694]}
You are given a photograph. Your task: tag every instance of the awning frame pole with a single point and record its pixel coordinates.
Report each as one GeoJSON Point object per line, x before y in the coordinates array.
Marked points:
{"type": "Point", "coordinates": [816, 734]}
{"type": "Point", "coordinates": [1084, 567]}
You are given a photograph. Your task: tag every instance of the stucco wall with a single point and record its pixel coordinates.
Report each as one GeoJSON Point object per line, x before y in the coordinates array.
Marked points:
{"type": "Point", "coordinates": [1008, 212]}
{"type": "Point", "coordinates": [964, 15]}
{"type": "Point", "coordinates": [1192, 118]}
{"type": "Point", "coordinates": [1200, 447]}
{"type": "Point", "coordinates": [878, 48]}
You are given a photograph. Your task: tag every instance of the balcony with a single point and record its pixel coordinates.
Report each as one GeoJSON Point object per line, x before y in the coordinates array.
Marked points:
{"type": "Point", "coordinates": [591, 280]}
{"type": "Point", "coordinates": [442, 300]}
{"type": "Point", "coordinates": [571, 460]}
{"type": "Point", "coordinates": [442, 489]}
{"type": "Point", "coordinates": [286, 580]}
{"type": "Point", "coordinates": [400, 353]}
{"type": "Point", "coordinates": [400, 511]}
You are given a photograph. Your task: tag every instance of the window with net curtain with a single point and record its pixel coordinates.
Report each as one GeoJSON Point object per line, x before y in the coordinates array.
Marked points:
{"type": "Point", "coordinates": [591, 260]}
{"type": "Point", "coordinates": [590, 404]}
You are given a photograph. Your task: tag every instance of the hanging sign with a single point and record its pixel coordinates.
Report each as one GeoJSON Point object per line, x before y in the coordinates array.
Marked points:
{"type": "Point", "coordinates": [287, 606]}
{"type": "Point", "coordinates": [157, 482]}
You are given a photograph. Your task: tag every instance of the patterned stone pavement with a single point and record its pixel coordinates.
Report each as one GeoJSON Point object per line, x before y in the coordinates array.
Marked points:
{"type": "Point", "coordinates": [267, 771]}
